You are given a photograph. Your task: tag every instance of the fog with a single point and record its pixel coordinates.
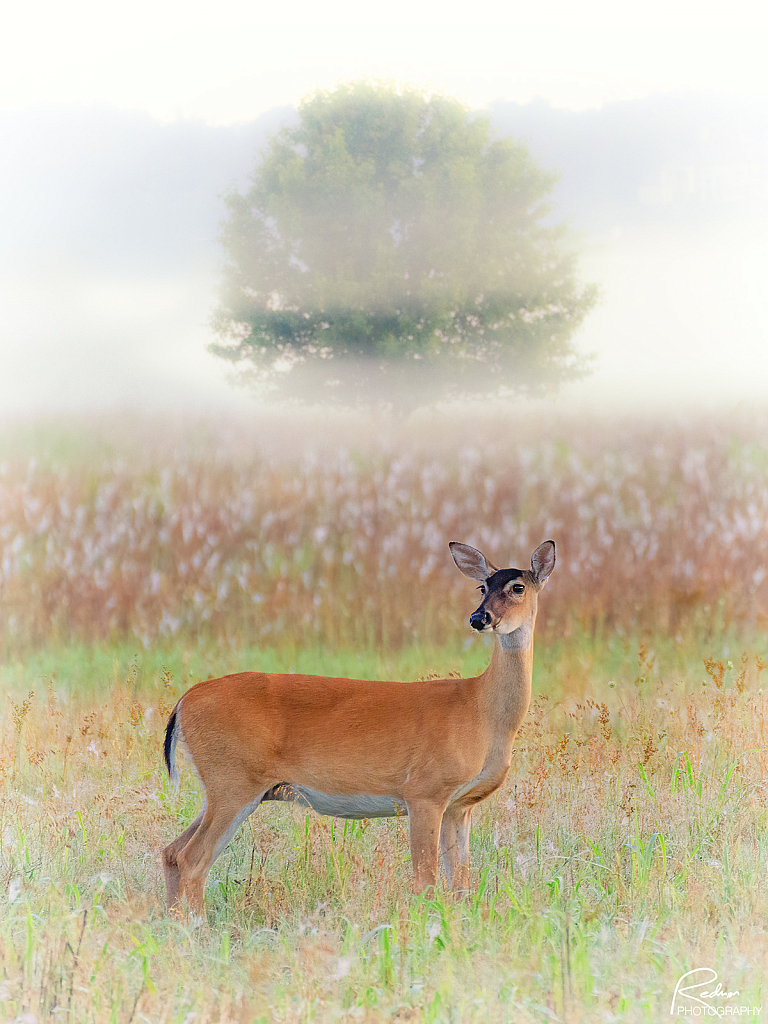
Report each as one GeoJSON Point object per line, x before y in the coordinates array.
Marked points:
{"type": "Point", "coordinates": [109, 255]}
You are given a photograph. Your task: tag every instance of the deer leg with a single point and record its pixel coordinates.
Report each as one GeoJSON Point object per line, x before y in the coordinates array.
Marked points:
{"type": "Point", "coordinates": [173, 893]}
{"type": "Point", "coordinates": [424, 819]}
{"type": "Point", "coordinates": [454, 847]}
{"type": "Point", "coordinates": [189, 858]}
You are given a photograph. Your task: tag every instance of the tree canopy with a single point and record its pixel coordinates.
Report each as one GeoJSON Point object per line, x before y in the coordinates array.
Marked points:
{"type": "Point", "coordinates": [387, 239]}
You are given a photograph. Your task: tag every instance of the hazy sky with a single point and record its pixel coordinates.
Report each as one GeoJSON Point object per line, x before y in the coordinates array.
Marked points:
{"type": "Point", "coordinates": [683, 311]}
{"type": "Point", "coordinates": [234, 59]}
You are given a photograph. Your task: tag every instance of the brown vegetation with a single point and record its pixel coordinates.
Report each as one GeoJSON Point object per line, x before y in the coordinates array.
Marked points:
{"type": "Point", "coordinates": [342, 536]}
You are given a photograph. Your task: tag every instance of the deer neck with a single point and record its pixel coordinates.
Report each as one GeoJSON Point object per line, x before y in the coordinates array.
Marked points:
{"type": "Point", "coordinates": [507, 684]}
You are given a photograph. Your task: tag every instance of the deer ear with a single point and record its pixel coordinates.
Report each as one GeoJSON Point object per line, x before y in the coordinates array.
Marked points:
{"type": "Point", "coordinates": [543, 561]}
{"type": "Point", "coordinates": [472, 562]}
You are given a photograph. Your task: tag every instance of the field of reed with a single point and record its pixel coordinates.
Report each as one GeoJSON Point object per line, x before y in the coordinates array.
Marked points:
{"type": "Point", "coordinates": [629, 843]}
{"type": "Point", "coordinates": [303, 530]}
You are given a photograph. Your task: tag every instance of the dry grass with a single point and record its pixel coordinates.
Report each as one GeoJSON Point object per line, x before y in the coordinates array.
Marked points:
{"type": "Point", "coordinates": [627, 846]}
{"type": "Point", "coordinates": [339, 535]}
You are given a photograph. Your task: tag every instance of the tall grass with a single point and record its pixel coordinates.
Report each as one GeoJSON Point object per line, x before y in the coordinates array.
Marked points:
{"type": "Point", "coordinates": [628, 846]}
{"type": "Point", "coordinates": [629, 842]}
{"type": "Point", "coordinates": [342, 538]}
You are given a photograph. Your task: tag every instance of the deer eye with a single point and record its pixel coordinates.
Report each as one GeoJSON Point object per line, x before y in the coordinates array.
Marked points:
{"type": "Point", "coordinates": [519, 588]}
{"type": "Point", "coordinates": [481, 589]}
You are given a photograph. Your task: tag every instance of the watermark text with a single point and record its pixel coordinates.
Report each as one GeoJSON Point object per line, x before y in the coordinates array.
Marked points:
{"type": "Point", "coordinates": [698, 993]}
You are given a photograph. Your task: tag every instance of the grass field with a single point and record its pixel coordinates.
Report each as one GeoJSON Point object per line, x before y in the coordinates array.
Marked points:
{"type": "Point", "coordinates": [628, 845]}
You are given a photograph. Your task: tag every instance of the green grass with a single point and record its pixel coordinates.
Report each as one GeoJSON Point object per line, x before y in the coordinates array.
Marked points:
{"type": "Point", "coordinates": [627, 847]}
{"type": "Point", "coordinates": [84, 669]}
{"type": "Point", "coordinates": [580, 663]}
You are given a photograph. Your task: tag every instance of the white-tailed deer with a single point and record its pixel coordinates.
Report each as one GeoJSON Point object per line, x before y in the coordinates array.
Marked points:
{"type": "Point", "coordinates": [358, 749]}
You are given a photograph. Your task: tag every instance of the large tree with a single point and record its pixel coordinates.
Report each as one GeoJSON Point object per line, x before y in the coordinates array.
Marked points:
{"type": "Point", "coordinates": [388, 240]}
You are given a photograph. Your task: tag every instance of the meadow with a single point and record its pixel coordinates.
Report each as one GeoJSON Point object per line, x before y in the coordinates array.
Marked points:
{"type": "Point", "coordinates": [628, 845]}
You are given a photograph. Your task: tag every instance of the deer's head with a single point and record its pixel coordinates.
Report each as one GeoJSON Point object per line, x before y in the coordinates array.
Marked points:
{"type": "Point", "coordinates": [509, 595]}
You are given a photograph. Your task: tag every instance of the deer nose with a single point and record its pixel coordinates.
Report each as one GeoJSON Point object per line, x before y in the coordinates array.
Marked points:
{"type": "Point", "coordinates": [480, 619]}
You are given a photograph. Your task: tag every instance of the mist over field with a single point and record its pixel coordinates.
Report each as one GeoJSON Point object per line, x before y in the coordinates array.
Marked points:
{"type": "Point", "coordinates": [109, 253]}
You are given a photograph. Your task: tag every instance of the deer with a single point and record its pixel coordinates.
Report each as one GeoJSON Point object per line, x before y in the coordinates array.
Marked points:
{"type": "Point", "coordinates": [352, 748]}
